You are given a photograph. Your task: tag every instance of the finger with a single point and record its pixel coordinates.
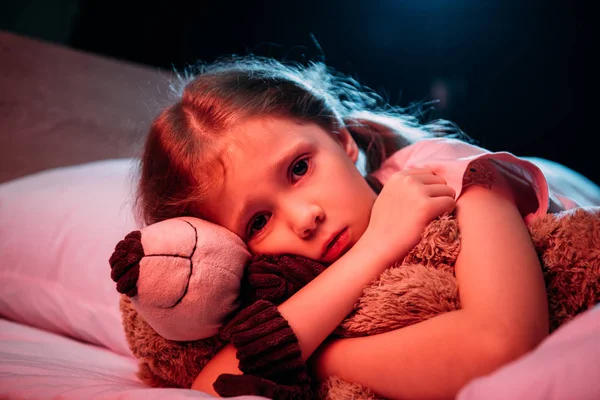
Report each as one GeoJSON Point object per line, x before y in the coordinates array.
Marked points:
{"type": "Point", "coordinates": [440, 190]}
{"type": "Point", "coordinates": [429, 179]}
{"type": "Point", "coordinates": [443, 204]}
{"type": "Point", "coordinates": [416, 171]}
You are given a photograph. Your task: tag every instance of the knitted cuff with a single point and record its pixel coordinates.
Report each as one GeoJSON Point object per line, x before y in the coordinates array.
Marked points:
{"type": "Point", "coordinates": [277, 278]}
{"type": "Point", "coordinates": [229, 385]}
{"type": "Point", "coordinates": [266, 345]}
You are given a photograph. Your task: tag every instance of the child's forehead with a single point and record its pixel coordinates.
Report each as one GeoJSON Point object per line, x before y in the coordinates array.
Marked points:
{"type": "Point", "coordinates": [259, 128]}
{"type": "Point", "coordinates": [269, 139]}
{"type": "Point", "coordinates": [253, 134]}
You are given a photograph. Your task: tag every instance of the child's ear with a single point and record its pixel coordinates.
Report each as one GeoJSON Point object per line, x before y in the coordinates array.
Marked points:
{"type": "Point", "coordinates": [348, 143]}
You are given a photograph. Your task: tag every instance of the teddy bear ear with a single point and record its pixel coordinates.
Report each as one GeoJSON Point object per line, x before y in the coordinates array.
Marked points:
{"type": "Point", "coordinates": [125, 263]}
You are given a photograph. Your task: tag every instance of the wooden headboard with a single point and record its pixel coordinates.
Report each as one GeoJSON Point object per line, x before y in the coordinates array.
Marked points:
{"type": "Point", "coordinates": [59, 106]}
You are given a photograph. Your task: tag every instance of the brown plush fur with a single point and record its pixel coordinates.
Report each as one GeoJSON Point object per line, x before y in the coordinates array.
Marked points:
{"type": "Point", "coordinates": [162, 362]}
{"type": "Point", "coordinates": [421, 287]}
{"type": "Point", "coordinates": [569, 249]}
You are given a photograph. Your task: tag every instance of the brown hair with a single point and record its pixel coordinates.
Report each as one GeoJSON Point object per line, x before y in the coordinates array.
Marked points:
{"type": "Point", "coordinates": [181, 160]}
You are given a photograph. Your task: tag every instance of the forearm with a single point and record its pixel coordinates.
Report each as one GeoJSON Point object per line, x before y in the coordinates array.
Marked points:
{"type": "Point", "coordinates": [429, 360]}
{"type": "Point", "coordinates": [314, 311]}
{"type": "Point", "coordinates": [318, 308]}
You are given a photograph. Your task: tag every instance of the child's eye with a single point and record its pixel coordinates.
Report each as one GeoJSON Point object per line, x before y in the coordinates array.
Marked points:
{"type": "Point", "coordinates": [257, 224]}
{"type": "Point", "coordinates": [300, 168]}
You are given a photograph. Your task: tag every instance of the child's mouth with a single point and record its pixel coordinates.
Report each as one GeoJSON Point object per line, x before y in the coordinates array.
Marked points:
{"type": "Point", "coordinates": [337, 246]}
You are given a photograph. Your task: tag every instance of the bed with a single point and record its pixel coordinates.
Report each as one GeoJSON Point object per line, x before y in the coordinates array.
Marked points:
{"type": "Point", "coordinates": [71, 126]}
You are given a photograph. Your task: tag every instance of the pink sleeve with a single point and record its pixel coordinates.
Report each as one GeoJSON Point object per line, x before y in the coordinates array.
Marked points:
{"type": "Point", "coordinates": [463, 164]}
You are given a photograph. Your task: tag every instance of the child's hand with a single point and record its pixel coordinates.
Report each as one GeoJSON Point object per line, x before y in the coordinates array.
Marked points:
{"type": "Point", "coordinates": [408, 202]}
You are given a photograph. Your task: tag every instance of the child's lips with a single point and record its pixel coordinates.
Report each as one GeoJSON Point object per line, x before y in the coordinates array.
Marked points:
{"type": "Point", "coordinates": [337, 246]}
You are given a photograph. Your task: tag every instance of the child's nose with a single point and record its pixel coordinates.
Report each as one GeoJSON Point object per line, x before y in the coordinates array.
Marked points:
{"type": "Point", "coordinates": [306, 220]}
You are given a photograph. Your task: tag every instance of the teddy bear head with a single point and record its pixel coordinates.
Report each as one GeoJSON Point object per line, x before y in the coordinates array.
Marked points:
{"type": "Point", "coordinates": [182, 275]}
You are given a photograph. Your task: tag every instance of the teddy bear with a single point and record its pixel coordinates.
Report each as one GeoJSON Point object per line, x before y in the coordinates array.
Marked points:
{"type": "Point", "coordinates": [423, 285]}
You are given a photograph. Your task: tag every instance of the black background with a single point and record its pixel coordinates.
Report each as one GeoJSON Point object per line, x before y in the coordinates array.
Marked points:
{"type": "Point", "coordinates": [518, 75]}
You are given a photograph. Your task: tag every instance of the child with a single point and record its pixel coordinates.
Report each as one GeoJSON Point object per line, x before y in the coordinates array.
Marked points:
{"type": "Point", "coordinates": [271, 151]}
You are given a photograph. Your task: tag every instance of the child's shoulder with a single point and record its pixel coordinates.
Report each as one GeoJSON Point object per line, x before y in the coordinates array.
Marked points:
{"type": "Point", "coordinates": [430, 149]}
{"type": "Point", "coordinates": [443, 147]}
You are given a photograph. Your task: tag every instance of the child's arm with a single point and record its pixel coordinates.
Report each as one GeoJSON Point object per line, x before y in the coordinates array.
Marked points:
{"type": "Point", "coordinates": [313, 312]}
{"type": "Point", "coordinates": [504, 313]}
{"type": "Point", "coordinates": [413, 198]}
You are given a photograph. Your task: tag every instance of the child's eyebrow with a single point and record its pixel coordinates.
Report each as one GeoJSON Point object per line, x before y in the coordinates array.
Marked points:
{"type": "Point", "coordinates": [286, 156]}
{"type": "Point", "coordinates": [283, 158]}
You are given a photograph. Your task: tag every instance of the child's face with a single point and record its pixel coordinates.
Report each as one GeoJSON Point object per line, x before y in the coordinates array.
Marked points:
{"type": "Point", "coordinates": [292, 188]}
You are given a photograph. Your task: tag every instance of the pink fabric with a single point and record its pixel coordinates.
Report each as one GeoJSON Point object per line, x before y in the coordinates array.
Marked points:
{"type": "Point", "coordinates": [451, 159]}
{"type": "Point", "coordinates": [188, 298]}
{"type": "Point", "coordinates": [38, 365]}
{"type": "Point", "coordinates": [57, 231]}
{"type": "Point", "coordinates": [565, 366]}
{"type": "Point", "coordinates": [570, 187]}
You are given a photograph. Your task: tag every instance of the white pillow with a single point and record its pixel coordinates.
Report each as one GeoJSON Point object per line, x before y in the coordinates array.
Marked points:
{"type": "Point", "coordinates": [58, 229]}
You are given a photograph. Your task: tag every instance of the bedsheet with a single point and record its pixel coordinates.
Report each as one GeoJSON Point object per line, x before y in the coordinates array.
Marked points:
{"type": "Point", "coordinates": [565, 366]}
{"type": "Point", "coordinates": [39, 365]}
